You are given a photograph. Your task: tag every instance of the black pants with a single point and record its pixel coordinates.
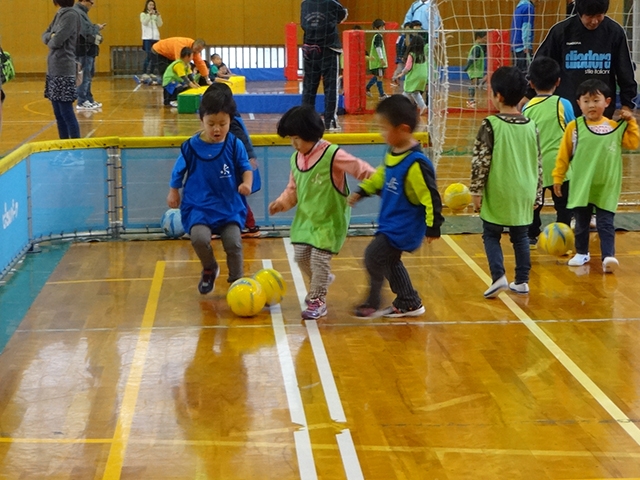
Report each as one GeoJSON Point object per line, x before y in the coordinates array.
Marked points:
{"type": "Point", "coordinates": [172, 97]}
{"type": "Point", "coordinates": [521, 60]}
{"type": "Point", "coordinates": [161, 61]}
{"type": "Point", "coordinates": [604, 224]}
{"type": "Point", "coordinates": [563, 215]}
{"type": "Point", "coordinates": [384, 261]}
{"type": "Point", "coordinates": [321, 63]}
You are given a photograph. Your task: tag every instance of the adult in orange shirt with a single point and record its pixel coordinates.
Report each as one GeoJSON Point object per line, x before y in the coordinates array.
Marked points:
{"type": "Point", "coordinates": [168, 50]}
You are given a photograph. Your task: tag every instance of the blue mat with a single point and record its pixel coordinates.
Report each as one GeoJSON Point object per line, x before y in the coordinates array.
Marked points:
{"type": "Point", "coordinates": [276, 103]}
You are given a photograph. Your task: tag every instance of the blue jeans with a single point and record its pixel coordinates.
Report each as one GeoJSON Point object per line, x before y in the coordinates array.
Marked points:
{"type": "Point", "coordinates": [66, 118]}
{"type": "Point", "coordinates": [604, 224]}
{"type": "Point", "coordinates": [151, 61]}
{"type": "Point", "coordinates": [491, 234]}
{"type": "Point", "coordinates": [84, 90]}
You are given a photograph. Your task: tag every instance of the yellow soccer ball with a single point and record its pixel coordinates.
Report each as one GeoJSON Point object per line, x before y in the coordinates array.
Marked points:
{"type": "Point", "coordinates": [246, 297]}
{"type": "Point", "coordinates": [273, 285]}
{"type": "Point", "coordinates": [457, 196]}
{"type": "Point", "coordinates": [559, 239]}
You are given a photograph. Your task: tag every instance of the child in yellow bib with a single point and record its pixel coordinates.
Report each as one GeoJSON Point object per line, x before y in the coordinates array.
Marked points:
{"type": "Point", "coordinates": [593, 144]}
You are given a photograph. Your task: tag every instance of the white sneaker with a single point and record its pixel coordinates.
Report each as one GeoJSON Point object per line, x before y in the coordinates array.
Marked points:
{"type": "Point", "coordinates": [173, 103]}
{"type": "Point", "coordinates": [86, 105]}
{"type": "Point", "coordinates": [497, 287]}
{"type": "Point", "coordinates": [578, 260]}
{"type": "Point", "coordinates": [610, 264]}
{"type": "Point", "coordinates": [522, 288]}
{"type": "Point", "coordinates": [96, 105]}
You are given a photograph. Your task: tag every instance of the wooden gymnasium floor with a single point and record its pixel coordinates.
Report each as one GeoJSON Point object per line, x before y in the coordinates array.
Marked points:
{"type": "Point", "coordinates": [121, 369]}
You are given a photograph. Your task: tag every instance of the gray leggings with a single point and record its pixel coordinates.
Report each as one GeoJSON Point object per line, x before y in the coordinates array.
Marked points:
{"type": "Point", "coordinates": [231, 242]}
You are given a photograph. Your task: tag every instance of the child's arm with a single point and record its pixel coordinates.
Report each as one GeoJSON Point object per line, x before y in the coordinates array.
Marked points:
{"type": "Point", "coordinates": [242, 164]}
{"type": "Point", "coordinates": [421, 183]}
{"type": "Point", "coordinates": [177, 175]}
{"type": "Point", "coordinates": [369, 186]}
{"type": "Point", "coordinates": [565, 152]}
{"type": "Point", "coordinates": [408, 65]}
{"type": "Point", "coordinates": [345, 163]}
{"type": "Point", "coordinates": [287, 199]}
{"type": "Point", "coordinates": [481, 162]}
{"type": "Point", "coordinates": [631, 137]}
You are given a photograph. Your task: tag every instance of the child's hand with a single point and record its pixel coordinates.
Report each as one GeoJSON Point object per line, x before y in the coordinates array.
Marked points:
{"type": "Point", "coordinates": [353, 199]}
{"type": "Point", "coordinates": [275, 207]}
{"type": "Point", "coordinates": [626, 114]}
{"type": "Point", "coordinates": [254, 163]}
{"type": "Point", "coordinates": [173, 199]}
{"type": "Point", "coordinates": [244, 189]}
{"type": "Point", "coordinates": [477, 202]}
{"type": "Point", "coordinates": [557, 189]}
{"type": "Point", "coordinates": [193, 85]}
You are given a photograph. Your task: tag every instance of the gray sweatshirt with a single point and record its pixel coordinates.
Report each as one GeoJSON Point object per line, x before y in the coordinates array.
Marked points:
{"type": "Point", "coordinates": [61, 38]}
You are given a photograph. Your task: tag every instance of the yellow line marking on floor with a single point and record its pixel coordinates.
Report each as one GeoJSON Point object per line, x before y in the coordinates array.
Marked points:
{"type": "Point", "coordinates": [605, 402]}
{"type": "Point", "coordinates": [100, 280]}
{"type": "Point", "coordinates": [113, 468]}
{"type": "Point", "coordinates": [57, 441]}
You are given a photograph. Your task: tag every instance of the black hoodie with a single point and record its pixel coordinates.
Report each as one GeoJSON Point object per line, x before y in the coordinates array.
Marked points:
{"type": "Point", "coordinates": [319, 20]}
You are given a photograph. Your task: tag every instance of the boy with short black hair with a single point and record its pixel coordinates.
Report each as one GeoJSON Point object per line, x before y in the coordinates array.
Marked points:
{"type": "Point", "coordinates": [410, 210]}
{"type": "Point", "coordinates": [215, 175]}
{"type": "Point", "coordinates": [377, 60]}
{"type": "Point", "coordinates": [593, 144]}
{"type": "Point", "coordinates": [218, 69]}
{"type": "Point", "coordinates": [551, 114]}
{"type": "Point", "coordinates": [178, 77]}
{"type": "Point", "coordinates": [506, 179]}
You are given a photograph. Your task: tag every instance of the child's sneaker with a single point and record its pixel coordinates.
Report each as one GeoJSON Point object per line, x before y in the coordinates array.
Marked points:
{"type": "Point", "coordinates": [521, 288]}
{"type": "Point", "coordinates": [366, 311]}
{"type": "Point", "coordinates": [316, 308]}
{"type": "Point", "coordinates": [496, 287]}
{"type": "Point", "coordinates": [252, 232]}
{"type": "Point", "coordinates": [173, 103]}
{"type": "Point", "coordinates": [383, 96]}
{"type": "Point", "coordinates": [533, 243]}
{"type": "Point", "coordinates": [610, 264]}
{"type": "Point", "coordinates": [369, 94]}
{"type": "Point", "coordinates": [331, 125]}
{"type": "Point", "coordinates": [395, 312]}
{"type": "Point", "coordinates": [579, 259]}
{"type": "Point", "coordinates": [471, 104]}
{"type": "Point", "coordinates": [208, 280]}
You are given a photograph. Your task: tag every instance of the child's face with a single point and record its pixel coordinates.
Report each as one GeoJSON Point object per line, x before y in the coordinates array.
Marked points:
{"type": "Point", "coordinates": [591, 22]}
{"type": "Point", "coordinates": [302, 146]}
{"type": "Point", "coordinates": [394, 136]}
{"type": "Point", "coordinates": [215, 127]}
{"type": "Point", "coordinates": [593, 106]}
{"type": "Point", "coordinates": [216, 60]}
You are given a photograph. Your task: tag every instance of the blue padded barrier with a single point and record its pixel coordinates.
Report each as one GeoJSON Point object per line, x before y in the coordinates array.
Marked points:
{"type": "Point", "coordinates": [14, 227]}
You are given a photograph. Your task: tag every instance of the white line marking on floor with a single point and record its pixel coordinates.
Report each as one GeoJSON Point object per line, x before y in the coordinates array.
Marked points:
{"type": "Point", "coordinates": [252, 116]}
{"type": "Point", "coordinates": [605, 402]}
{"type": "Point", "coordinates": [137, 87]}
{"type": "Point", "coordinates": [345, 442]}
{"type": "Point", "coordinates": [304, 451]}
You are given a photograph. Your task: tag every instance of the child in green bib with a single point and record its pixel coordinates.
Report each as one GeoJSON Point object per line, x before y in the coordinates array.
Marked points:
{"type": "Point", "coordinates": [506, 179]}
{"type": "Point", "coordinates": [593, 144]}
{"type": "Point", "coordinates": [178, 77]}
{"type": "Point", "coordinates": [377, 60]}
{"type": "Point", "coordinates": [318, 188]}
{"type": "Point", "coordinates": [551, 114]}
{"type": "Point", "coordinates": [416, 70]}
{"type": "Point", "coordinates": [475, 65]}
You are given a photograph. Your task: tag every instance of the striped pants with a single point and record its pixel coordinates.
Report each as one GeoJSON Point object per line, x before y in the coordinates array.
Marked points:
{"type": "Point", "coordinates": [384, 261]}
{"type": "Point", "coordinates": [315, 264]}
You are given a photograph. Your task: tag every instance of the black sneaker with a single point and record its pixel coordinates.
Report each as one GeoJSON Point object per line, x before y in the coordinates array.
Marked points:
{"type": "Point", "coordinates": [208, 280]}
{"type": "Point", "coordinates": [331, 125]}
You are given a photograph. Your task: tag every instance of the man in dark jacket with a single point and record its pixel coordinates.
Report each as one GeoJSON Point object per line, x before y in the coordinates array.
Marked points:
{"type": "Point", "coordinates": [87, 51]}
{"type": "Point", "coordinates": [322, 47]}
{"type": "Point", "coordinates": [590, 45]}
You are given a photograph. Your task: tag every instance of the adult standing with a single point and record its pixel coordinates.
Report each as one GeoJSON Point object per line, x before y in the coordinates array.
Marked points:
{"type": "Point", "coordinates": [168, 50]}
{"type": "Point", "coordinates": [420, 11]}
{"type": "Point", "coordinates": [60, 86]}
{"type": "Point", "coordinates": [522, 34]}
{"type": "Point", "coordinates": [321, 50]}
{"type": "Point", "coordinates": [151, 21]}
{"type": "Point", "coordinates": [590, 45]}
{"type": "Point", "coordinates": [87, 52]}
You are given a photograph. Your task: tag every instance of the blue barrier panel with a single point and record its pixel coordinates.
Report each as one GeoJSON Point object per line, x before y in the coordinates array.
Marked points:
{"type": "Point", "coordinates": [14, 229]}
{"type": "Point", "coordinates": [69, 191]}
{"type": "Point", "coordinates": [146, 174]}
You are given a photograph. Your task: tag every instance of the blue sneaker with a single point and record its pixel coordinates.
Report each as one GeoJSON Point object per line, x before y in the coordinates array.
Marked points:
{"type": "Point", "coordinates": [316, 308]}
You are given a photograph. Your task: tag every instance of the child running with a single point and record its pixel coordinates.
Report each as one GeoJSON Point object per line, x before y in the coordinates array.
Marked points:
{"type": "Point", "coordinates": [410, 210]}
{"type": "Point", "coordinates": [506, 179]}
{"type": "Point", "coordinates": [318, 186]}
{"type": "Point", "coordinates": [215, 174]}
{"type": "Point", "coordinates": [593, 144]}
{"type": "Point", "coordinates": [377, 60]}
{"type": "Point", "coordinates": [551, 114]}
{"type": "Point", "coordinates": [416, 70]}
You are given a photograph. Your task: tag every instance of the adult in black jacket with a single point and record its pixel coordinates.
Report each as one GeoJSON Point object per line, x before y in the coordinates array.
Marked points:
{"type": "Point", "coordinates": [590, 45]}
{"type": "Point", "coordinates": [322, 47]}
